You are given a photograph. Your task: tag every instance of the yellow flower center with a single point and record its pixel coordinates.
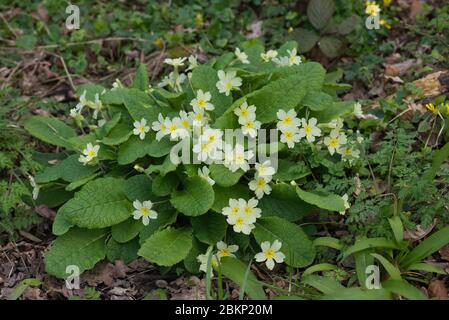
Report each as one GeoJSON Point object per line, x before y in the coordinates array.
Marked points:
{"type": "Point", "coordinates": [173, 128]}
{"type": "Point", "coordinates": [91, 153]}
{"type": "Point", "coordinates": [239, 221]}
{"type": "Point", "coordinates": [348, 151]}
{"type": "Point", "coordinates": [234, 210]}
{"type": "Point", "coordinates": [142, 128]}
{"type": "Point", "coordinates": [248, 210]}
{"type": "Point", "coordinates": [201, 103]}
{"type": "Point", "coordinates": [261, 183]}
{"type": "Point", "coordinates": [308, 129]}
{"type": "Point", "coordinates": [163, 127]}
{"type": "Point", "coordinates": [249, 124]}
{"type": "Point", "coordinates": [333, 142]}
{"type": "Point", "coordinates": [289, 135]}
{"type": "Point", "coordinates": [224, 253]}
{"type": "Point", "coordinates": [244, 112]}
{"type": "Point", "coordinates": [269, 254]}
{"type": "Point", "coordinates": [185, 123]}
{"type": "Point", "coordinates": [144, 211]}
{"type": "Point", "coordinates": [287, 120]}
{"type": "Point", "coordinates": [228, 85]}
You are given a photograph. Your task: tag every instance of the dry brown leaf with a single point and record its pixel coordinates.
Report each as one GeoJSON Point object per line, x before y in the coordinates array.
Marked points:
{"type": "Point", "coordinates": [437, 289]}
{"type": "Point", "coordinates": [419, 232]}
{"type": "Point", "coordinates": [444, 253]}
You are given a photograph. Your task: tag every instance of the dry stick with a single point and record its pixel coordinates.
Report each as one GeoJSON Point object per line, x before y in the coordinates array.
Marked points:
{"type": "Point", "coordinates": [68, 74]}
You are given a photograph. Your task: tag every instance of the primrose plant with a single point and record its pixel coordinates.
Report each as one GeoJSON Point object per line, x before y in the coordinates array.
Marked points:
{"type": "Point", "coordinates": [184, 173]}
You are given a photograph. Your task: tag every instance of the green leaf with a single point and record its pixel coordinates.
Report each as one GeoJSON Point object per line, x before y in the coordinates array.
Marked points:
{"type": "Point", "coordinates": [50, 130]}
{"type": "Point", "coordinates": [317, 101]}
{"type": "Point", "coordinates": [81, 182]}
{"type": "Point", "coordinates": [364, 244]}
{"type": "Point", "coordinates": [235, 270]}
{"type": "Point", "coordinates": [438, 159]}
{"type": "Point", "coordinates": [210, 227]}
{"type": "Point", "coordinates": [349, 24]}
{"type": "Point", "coordinates": [358, 294]}
{"type": "Point", "coordinates": [205, 78]}
{"type": "Point", "coordinates": [284, 93]}
{"type": "Point", "coordinates": [26, 41]}
{"type": "Point", "coordinates": [164, 185]}
{"type": "Point", "coordinates": [363, 259]}
{"type": "Point", "coordinates": [104, 130]}
{"type": "Point", "coordinates": [330, 46]}
{"type": "Point", "coordinates": [164, 168]}
{"type": "Point", "coordinates": [118, 135]}
{"type": "Point", "coordinates": [393, 271]}
{"type": "Point", "coordinates": [100, 203]}
{"type": "Point", "coordinates": [307, 39]}
{"type": "Point", "coordinates": [432, 244]}
{"type": "Point", "coordinates": [167, 247]}
{"type": "Point", "coordinates": [328, 242]}
{"type": "Point", "coordinates": [323, 284]}
{"type": "Point", "coordinates": [319, 268]}
{"type": "Point", "coordinates": [320, 12]}
{"type": "Point", "coordinates": [139, 187]}
{"type": "Point", "coordinates": [338, 109]}
{"type": "Point", "coordinates": [126, 252]}
{"type": "Point", "coordinates": [397, 227]}
{"type": "Point", "coordinates": [283, 202]}
{"type": "Point", "coordinates": [80, 247]}
{"type": "Point", "coordinates": [61, 224]}
{"type": "Point", "coordinates": [126, 230]}
{"type": "Point", "coordinates": [136, 148]}
{"type": "Point", "coordinates": [22, 286]}
{"type": "Point", "coordinates": [223, 176]}
{"type": "Point", "coordinates": [196, 198]}
{"type": "Point", "coordinates": [288, 170]}
{"type": "Point", "coordinates": [191, 262]}
{"type": "Point", "coordinates": [141, 80]}
{"type": "Point", "coordinates": [139, 105]}
{"type": "Point", "coordinates": [426, 267]}
{"type": "Point", "coordinates": [404, 289]}
{"type": "Point", "coordinates": [69, 169]}
{"type": "Point", "coordinates": [297, 247]}
{"type": "Point", "coordinates": [166, 216]}
{"type": "Point", "coordinates": [326, 201]}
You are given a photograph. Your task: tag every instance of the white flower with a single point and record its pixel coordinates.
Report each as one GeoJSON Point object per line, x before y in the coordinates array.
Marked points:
{"type": "Point", "coordinates": [204, 173]}
{"type": "Point", "coordinates": [228, 81]}
{"type": "Point", "coordinates": [209, 145]}
{"type": "Point", "coordinates": [160, 127]}
{"type": "Point", "coordinates": [193, 62]}
{"type": "Point", "coordinates": [97, 105]}
{"type": "Point", "coordinates": [240, 223]}
{"type": "Point", "coordinates": [293, 59]}
{"type": "Point", "coordinates": [184, 123]}
{"type": "Point", "coordinates": [270, 253]}
{"type": "Point", "coordinates": [287, 120]}
{"type": "Point", "coordinates": [174, 81]}
{"type": "Point", "coordinates": [201, 102]}
{"type": "Point", "coordinates": [233, 209]}
{"type": "Point", "coordinates": [346, 204]}
{"type": "Point", "coordinates": [178, 62]}
{"type": "Point", "coordinates": [141, 128]}
{"type": "Point", "coordinates": [358, 112]}
{"type": "Point", "coordinates": [242, 56]}
{"type": "Point", "coordinates": [143, 210]}
{"type": "Point", "coordinates": [250, 127]}
{"type": "Point", "coordinates": [226, 251]}
{"type": "Point", "coordinates": [213, 136]}
{"type": "Point", "coordinates": [237, 158]}
{"type": "Point", "coordinates": [336, 124]}
{"type": "Point", "coordinates": [245, 112]}
{"type": "Point", "coordinates": [173, 128]}
{"type": "Point", "coordinates": [334, 141]}
{"type": "Point", "coordinates": [270, 55]}
{"type": "Point", "coordinates": [260, 186]}
{"type": "Point", "coordinates": [89, 153]}
{"type": "Point", "coordinates": [265, 170]}
{"type": "Point", "coordinates": [250, 210]}
{"type": "Point", "coordinates": [203, 258]}
{"type": "Point", "coordinates": [290, 136]}
{"type": "Point", "coordinates": [83, 102]}
{"type": "Point", "coordinates": [76, 114]}
{"type": "Point", "coordinates": [35, 187]}
{"type": "Point", "coordinates": [117, 85]}
{"type": "Point", "coordinates": [348, 153]}
{"type": "Point", "coordinates": [309, 129]}
{"type": "Point", "coordinates": [198, 119]}
{"type": "Point", "coordinates": [282, 61]}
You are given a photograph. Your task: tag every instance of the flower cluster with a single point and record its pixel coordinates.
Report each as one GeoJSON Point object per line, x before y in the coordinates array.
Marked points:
{"type": "Point", "coordinates": [224, 250]}
{"type": "Point", "coordinates": [247, 119]}
{"type": "Point", "coordinates": [242, 214]}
